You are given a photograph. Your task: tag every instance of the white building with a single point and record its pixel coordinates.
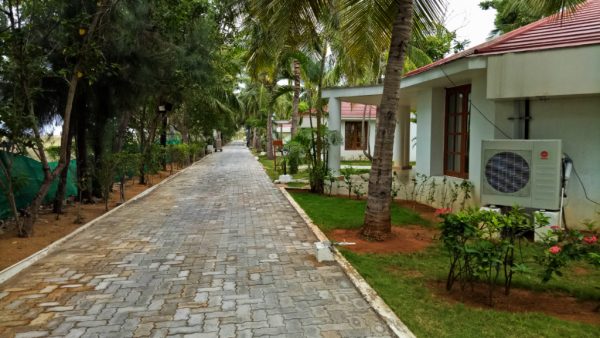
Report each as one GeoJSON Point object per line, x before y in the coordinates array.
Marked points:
{"type": "Point", "coordinates": [541, 81]}
{"type": "Point", "coordinates": [352, 131]}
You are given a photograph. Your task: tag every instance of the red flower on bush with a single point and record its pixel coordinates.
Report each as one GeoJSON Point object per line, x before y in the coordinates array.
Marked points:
{"type": "Point", "coordinates": [590, 240]}
{"type": "Point", "coordinates": [442, 211]}
{"type": "Point", "coordinates": [554, 250]}
{"type": "Point", "coordinates": [555, 228]}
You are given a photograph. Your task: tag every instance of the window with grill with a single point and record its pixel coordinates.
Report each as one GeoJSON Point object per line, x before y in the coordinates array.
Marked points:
{"type": "Point", "coordinates": [456, 144]}
{"type": "Point", "coordinates": [353, 135]}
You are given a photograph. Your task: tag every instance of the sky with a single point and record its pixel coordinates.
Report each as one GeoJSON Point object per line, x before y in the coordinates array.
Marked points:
{"type": "Point", "coordinates": [469, 20]}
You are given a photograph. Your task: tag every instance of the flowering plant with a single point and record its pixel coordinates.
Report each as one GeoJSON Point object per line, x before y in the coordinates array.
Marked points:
{"type": "Point", "coordinates": [567, 245]}
{"type": "Point", "coordinates": [554, 250]}
{"type": "Point", "coordinates": [442, 211]}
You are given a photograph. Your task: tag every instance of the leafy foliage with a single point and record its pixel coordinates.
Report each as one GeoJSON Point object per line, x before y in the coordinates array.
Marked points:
{"type": "Point", "coordinates": [481, 245]}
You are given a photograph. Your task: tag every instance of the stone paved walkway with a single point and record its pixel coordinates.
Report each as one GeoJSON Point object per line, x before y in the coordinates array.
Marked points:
{"type": "Point", "coordinates": [216, 252]}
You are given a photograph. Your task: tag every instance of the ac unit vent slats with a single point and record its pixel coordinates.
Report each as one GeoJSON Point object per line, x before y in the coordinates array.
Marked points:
{"type": "Point", "coordinates": [521, 172]}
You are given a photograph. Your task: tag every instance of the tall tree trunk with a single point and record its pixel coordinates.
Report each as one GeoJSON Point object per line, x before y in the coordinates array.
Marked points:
{"type": "Point", "coordinates": [377, 223]}
{"type": "Point", "coordinates": [142, 138]}
{"type": "Point", "coordinates": [163, 136]}
{"type": "Point", "coordinates": [6, 163]}
{"type": "Point", "coordinates": [255, 139]}
{"type": "Point", "coordinates": [81, 143]}
{"type": "Point", "coordinates": [61, 191]}
{"type": "Point", "coordinates": [100, 140]}
{"type": "Point", "coordinates": [296, 101]}
{"type": "Point", "coordinates": [270, 154]}
{"type": "Point", "coordinates": [33, 209]}
{"type": "Point", "coordinates": [121, 130]}
{"type": "Point", "coordinates": [49, 176]}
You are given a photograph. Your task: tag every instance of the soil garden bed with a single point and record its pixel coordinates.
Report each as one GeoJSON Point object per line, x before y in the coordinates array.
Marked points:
{"type": "Point", "coordinates": [404, 240]}
{"type": "Point", "coordinates": [49, 228]}
{"type": "Point", "coordinates": [553, 304]}
{"type": "Point", "coordinates": [414, 239]}
{"type": "Point", "coordinates": [408, 271]}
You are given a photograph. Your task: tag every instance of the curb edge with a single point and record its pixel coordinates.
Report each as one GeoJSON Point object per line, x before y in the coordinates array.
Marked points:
{"type": "Point", "coordinates": [370, 295]}
{"type": "Point", "coordinates": [23, 264]}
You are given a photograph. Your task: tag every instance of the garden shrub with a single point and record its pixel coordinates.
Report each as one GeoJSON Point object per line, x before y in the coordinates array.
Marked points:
{"type": "Point", "coordinates": [295, 153]}
{"type": "Point", "coordinates": [563, 246]}
{"type": "Point", "coordinates": [196, 150]}
{"type": "Point", "coordinates": [481, 245]}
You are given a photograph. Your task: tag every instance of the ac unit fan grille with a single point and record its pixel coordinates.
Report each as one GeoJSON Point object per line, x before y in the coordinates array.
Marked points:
{"type": "Point", "coordinates": [507, 172]}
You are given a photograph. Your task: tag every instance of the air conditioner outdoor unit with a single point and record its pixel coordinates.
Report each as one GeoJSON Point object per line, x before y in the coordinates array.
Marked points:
{"type": "Point", "coordinates": [526, 173]}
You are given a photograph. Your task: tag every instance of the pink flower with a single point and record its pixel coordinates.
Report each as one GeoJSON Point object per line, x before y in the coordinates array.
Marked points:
{"type": "Point", "coordinates": [555, 228]}
{"type": "Point", "coordinates": [554, 250]}
{"type": "Point", "coordinates": [442, 211]}
{"type": "Point", "coordinates": [590, 240]}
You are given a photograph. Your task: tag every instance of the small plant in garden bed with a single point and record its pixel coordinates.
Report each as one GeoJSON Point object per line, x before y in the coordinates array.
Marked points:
{"type": "Point", "coordinates": [413, 285]}
{"type": "Point", "coordinates": [565, 246]}
{"type": "Point", "coordinates": [481, 245]}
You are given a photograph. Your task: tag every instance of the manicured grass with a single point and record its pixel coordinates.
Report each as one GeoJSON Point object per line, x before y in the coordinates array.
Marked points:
{"type": "Point", "coordinates": [296, 184]}
{"type": "Point", "coordinates": [401, 279]}
{"type": "Point", "coordinates": [357, 163]}
{"type": "Point", "coordinates": [341, 213]}
{"type": "Point", "coordinates": [269, 166]}
{"type": "Point", "coordinates": [428, 316]}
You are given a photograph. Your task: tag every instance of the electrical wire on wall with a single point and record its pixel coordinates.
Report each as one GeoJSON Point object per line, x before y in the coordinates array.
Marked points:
{"type": "Point", "coordinates": [476, 108]}
{"type": "Point", "coordinates": [585, 193]}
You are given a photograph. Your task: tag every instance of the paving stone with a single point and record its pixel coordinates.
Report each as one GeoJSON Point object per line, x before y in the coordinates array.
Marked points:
{"type": "Point", "coordinates": [31, 334]}
{"type": "Point", "coordinates": [216, 252]}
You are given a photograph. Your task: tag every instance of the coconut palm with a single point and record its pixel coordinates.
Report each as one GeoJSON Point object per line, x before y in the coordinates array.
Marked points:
{"type": "Point", "coordinates": [377, 224]}
{"type": "Point", "coordinates": [367, 26]}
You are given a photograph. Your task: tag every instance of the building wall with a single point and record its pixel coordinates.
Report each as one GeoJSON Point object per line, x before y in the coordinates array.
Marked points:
{"type": "Point", "coordinates": [480, 128]}
{"type": "Point", "coordinates": [430, 141]}
{"type": "Point", "coordinates": [576, 121]}
{"type": "Point", "coordinates": [544, 73]}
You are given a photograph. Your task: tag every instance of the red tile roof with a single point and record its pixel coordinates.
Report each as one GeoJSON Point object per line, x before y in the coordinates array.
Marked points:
{"type": "Point", "coordinates": [578, 28]}
{"type": "Point", "coordinates": [353, 111]}
{"type": "Point", "coordinates": [356, 110]}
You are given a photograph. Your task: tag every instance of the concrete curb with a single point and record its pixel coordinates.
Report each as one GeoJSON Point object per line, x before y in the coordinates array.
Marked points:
{"type": "Point", "coordinates": [14, 269]}
{"type": "Point", "coordinates": [380, 307]}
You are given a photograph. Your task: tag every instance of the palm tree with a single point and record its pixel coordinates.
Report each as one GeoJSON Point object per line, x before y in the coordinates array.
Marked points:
{"type": "Point", "coordinates": [366, 28]}
{"type": "Point", "coordinates": [377, 224]}
{"type": "Point", "coordinates": [367, 25]}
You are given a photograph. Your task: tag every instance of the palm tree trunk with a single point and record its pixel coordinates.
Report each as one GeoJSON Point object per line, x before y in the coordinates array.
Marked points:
{"type": "Point", "coordinates": [296, 100]}
{"type": "Point", "coordinates": [377, 223]}
{"type": "Point", "coordinates": [270, 154]}
{"type": "Point", "coordinates": [61, 191]}
{"type": "Point", "coordinates": [255, 139]}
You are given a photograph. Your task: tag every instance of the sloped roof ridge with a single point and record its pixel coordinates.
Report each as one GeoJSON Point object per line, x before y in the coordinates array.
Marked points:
{"type": "Point", "coordinates": [488, 45]}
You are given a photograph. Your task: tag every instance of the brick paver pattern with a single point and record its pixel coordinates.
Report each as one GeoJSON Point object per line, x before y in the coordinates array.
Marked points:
{"type": "Point", "coordinates": [216, 252]}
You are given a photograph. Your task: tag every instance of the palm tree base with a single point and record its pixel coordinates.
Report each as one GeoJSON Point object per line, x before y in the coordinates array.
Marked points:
{"type": "Point", "coordinates": [376, 235]}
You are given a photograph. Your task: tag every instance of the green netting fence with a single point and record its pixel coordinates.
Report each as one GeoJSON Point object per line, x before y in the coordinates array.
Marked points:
{"type": "Point", "coordinates": [28, 175]}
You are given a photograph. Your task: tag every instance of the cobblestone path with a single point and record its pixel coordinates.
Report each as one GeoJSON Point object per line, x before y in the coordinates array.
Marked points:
{"type": "Point", "coordinates": [216, 252]}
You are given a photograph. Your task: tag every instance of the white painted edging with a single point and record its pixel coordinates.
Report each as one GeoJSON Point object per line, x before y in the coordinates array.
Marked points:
{"type": "Point", "coordinates": [380, 307]}
{"type": "Point", "coordinates": [14, 269]}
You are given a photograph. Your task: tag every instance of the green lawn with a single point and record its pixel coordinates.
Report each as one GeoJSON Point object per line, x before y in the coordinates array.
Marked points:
{"type": "Point", "coordinates": [356, 163]}
{"type": "Point", "coordinates": [296, 184]}
{"type": "Point", "coordinates": [341, 213]}
{"type": "Point", "coordinates": [429, 316]}
{"type": "Point", "coordinates": [274, 174]}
